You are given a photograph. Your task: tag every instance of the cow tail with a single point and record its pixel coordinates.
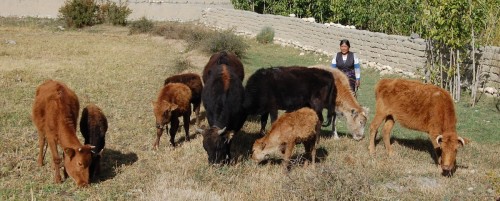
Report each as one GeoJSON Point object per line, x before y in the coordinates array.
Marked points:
{"type": "Point", "coordinates": [331, 104]}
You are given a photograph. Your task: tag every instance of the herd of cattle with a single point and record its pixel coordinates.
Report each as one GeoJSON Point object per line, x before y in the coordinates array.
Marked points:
{"type": "Point", "coordinates": [302, 92]}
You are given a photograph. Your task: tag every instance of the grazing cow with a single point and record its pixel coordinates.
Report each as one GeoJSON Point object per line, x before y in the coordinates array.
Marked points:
{"type": "Point", "coordinates": [173, 102]}
{"type": "Point", "coordinates": [222, 98]}
{"type": "Point", "coordinates": [55, 114]}
{"type": "Point", "coordinates": [93, 126]}
{"type": "Point", "coordinates": [289, 88]}
{"type": "Point", "coordinates": [347, 105]}
{"type": "Point", "coordinates": [421, 107]}
{"type": "Point", "coordinates": [193, 81]}
{"type": "Point", "coordinates": [301, 126]}
{"type": "Point", "coordinates": [229, 59]}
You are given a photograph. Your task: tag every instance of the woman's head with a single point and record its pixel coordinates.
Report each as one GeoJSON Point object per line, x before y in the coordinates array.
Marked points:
{"type": "Point", "coordinates": [344, 46]}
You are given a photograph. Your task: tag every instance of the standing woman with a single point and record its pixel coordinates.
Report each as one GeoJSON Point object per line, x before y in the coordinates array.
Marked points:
{"type": "Point", "coordinates": [348, 63]}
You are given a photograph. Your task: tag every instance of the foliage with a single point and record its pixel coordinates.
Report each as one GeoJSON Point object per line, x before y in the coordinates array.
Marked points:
{"type": "Point", "coordinates": [266, 35]}
{"type": "Point", "coordinates": [81, 13]}
{"type": "Point", "coordinates": [113, 13]}
{"type": "Point", "coordinates": [401, 17]}
{"type": "Point", "coordinates": [228, 41]}
{"type": "Point", "coordinates": [142, 25]}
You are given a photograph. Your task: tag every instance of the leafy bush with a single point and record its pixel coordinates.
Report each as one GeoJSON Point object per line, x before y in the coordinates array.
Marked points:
{"type": "Point", "coordinates": [228, 41]}
{"type": "Point", "coordinates": [142, 25]}
{"type": "Point", "coordinates": [266, 35]}
{"type": "Point", "coordinates": [79, 13]}
{"type": "Point", "coordinates": [113, 13]}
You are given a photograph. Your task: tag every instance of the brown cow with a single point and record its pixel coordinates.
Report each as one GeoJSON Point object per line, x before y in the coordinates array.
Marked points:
{"type": "Point", "coordinates": [421, 107]}
{"type": "Point", "coordinates": [301, 126]}
{"type": "Point", "coordinates": [173, 101]}
{"type": "Point", "coordinates": [93, 126]}
{"type": "Point", "coordinates": [228, 58]}
{"type": "Point", "coordinates": [347, 105]}
{"type": "Point", "coordinates": [55, 114]}
{"type": "Point", "coordinates": [193, 81]}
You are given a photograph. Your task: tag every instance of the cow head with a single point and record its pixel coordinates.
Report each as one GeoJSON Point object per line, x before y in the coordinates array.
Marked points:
{"type": "Point", "coordinates": [77, 162]}
{"type": "Point", "coordinates": [163, 111]}
{"type": "Point", "coordinates": [262, 149]}
{"type": "Point", "coordinates": [449, 146]}
{"type": "Point", "coordinates": [216, 143]}
{"type": "Point", "coordinates": [356, 121]}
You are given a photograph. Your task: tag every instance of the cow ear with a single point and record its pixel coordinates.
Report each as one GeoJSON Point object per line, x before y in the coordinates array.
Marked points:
{"type": "Point", "coordinates": [463, 141]}
{"type": "Point", "coordinates": [439, 139]}
{"type": "Point", "coordinates": [69, 152]}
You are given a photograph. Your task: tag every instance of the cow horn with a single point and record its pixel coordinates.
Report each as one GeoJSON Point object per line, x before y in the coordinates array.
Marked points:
{"type": "Point", "coordinates": [439, 137]}
{"type": "Point", "coordinates": [199, 130]}
{"type": "Point", "coordinates": [221, 131]}
{"type": "Point", "coordinates": [100, 153]}
{"type": "Point", "coordinates": [461, 140]}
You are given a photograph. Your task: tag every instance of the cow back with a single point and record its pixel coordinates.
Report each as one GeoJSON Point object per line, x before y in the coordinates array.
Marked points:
{"type": "Point", "coordinates": [415, 104]}
{"type": "Point", "coordinates": [223, 98]}
{"type": "Point", "coordinates": [192, 80]}
{"type": "Point", "coordinates": [229, 59]}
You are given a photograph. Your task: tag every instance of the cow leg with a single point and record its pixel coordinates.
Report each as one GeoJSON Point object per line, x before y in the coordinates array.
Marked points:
{"type": "Point", "coordinates": [174, 126]}
{"type": "Point", "coordinates": [196, 110]}
{"type": "Point", "coordinates": [389, 124]}
{"type": "Point", "coordinates": [186, 118]}
{"type": "Point", "coordinates": [41, 144]}
{"type": "Point", "coordinates": [263, 123]}
{"type": "Point", "coordinates": [334, 126]}
{"type": "Point", "coordinates": [56, 160]}
{"type": "Point", "coordinates": [288, 154]}
{"type": "Point", "coordinates": [159, 132]}
{"type": "Point", "coordinates": [310, 149]}
{"type": "Point", "coordinates": [377, 120]}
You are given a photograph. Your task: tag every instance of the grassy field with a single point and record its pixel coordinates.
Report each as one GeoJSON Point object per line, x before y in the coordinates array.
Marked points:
{"type": "Point", "coordinates": [122, 73]}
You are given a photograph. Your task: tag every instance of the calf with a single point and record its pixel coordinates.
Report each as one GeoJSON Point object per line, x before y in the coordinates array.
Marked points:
{"type": "Point", "coordinates": [421, 107]}
{"type": "Point", "coordinates": [93, 126]}
{"type": "Point", "coordinates": [227, 58]}
{"type": "Point", "coordinates": [173, 102]}
{"type": "Point", "coordinates": [222, 98]}
{"type": "Point", "coordinates": [193, 81]}
{"type": "Point", "coordinates": [55, 114]}
{"type": "Point", "coordinates": [301, 126]}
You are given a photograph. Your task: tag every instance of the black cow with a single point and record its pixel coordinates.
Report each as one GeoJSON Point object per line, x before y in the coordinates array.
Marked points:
{"type": "Point", "coordinates": [222, 98]}
{"type": "Point", "coordinates": [193, 81]}
{"type": "Point", "coordinates": [229, 59]}
{"type": "Point", "coordinates": [93, 126]}
{"type": "Point", "coordinates": [289, 88]}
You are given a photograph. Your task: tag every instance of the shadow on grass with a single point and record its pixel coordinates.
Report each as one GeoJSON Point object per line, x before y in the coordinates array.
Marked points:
{"type": "Point", "coordinates": [298, 160]}
{"type": "Point", "coordinates": [241, 145]}
{"type": "Point", "coordinates": [111, 161]}
{"type": "Point", "coordinates": [416, 144]}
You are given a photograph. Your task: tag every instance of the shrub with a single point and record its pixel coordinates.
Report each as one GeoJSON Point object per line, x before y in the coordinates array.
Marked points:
{"type": "Point", "coordinates": [228, 41]}
{"type": "Point", "coordinates": [113, 13]}
{"type": "Point", "coordinates": [142, 25]}
{"type": "Point", "coordinates": [79, 13]}
{"type": "Point", "coordinates": [266, 35]}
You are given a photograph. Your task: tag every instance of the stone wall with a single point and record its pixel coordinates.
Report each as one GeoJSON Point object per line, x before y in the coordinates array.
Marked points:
{"type": "Point", "coordinates": [401, 52]}
{"type": "Point", "coordinates": [397, 54]}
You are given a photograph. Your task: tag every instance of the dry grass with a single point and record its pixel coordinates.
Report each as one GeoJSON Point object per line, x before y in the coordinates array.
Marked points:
{"type": "Point", "coordinates": [121, 73]}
